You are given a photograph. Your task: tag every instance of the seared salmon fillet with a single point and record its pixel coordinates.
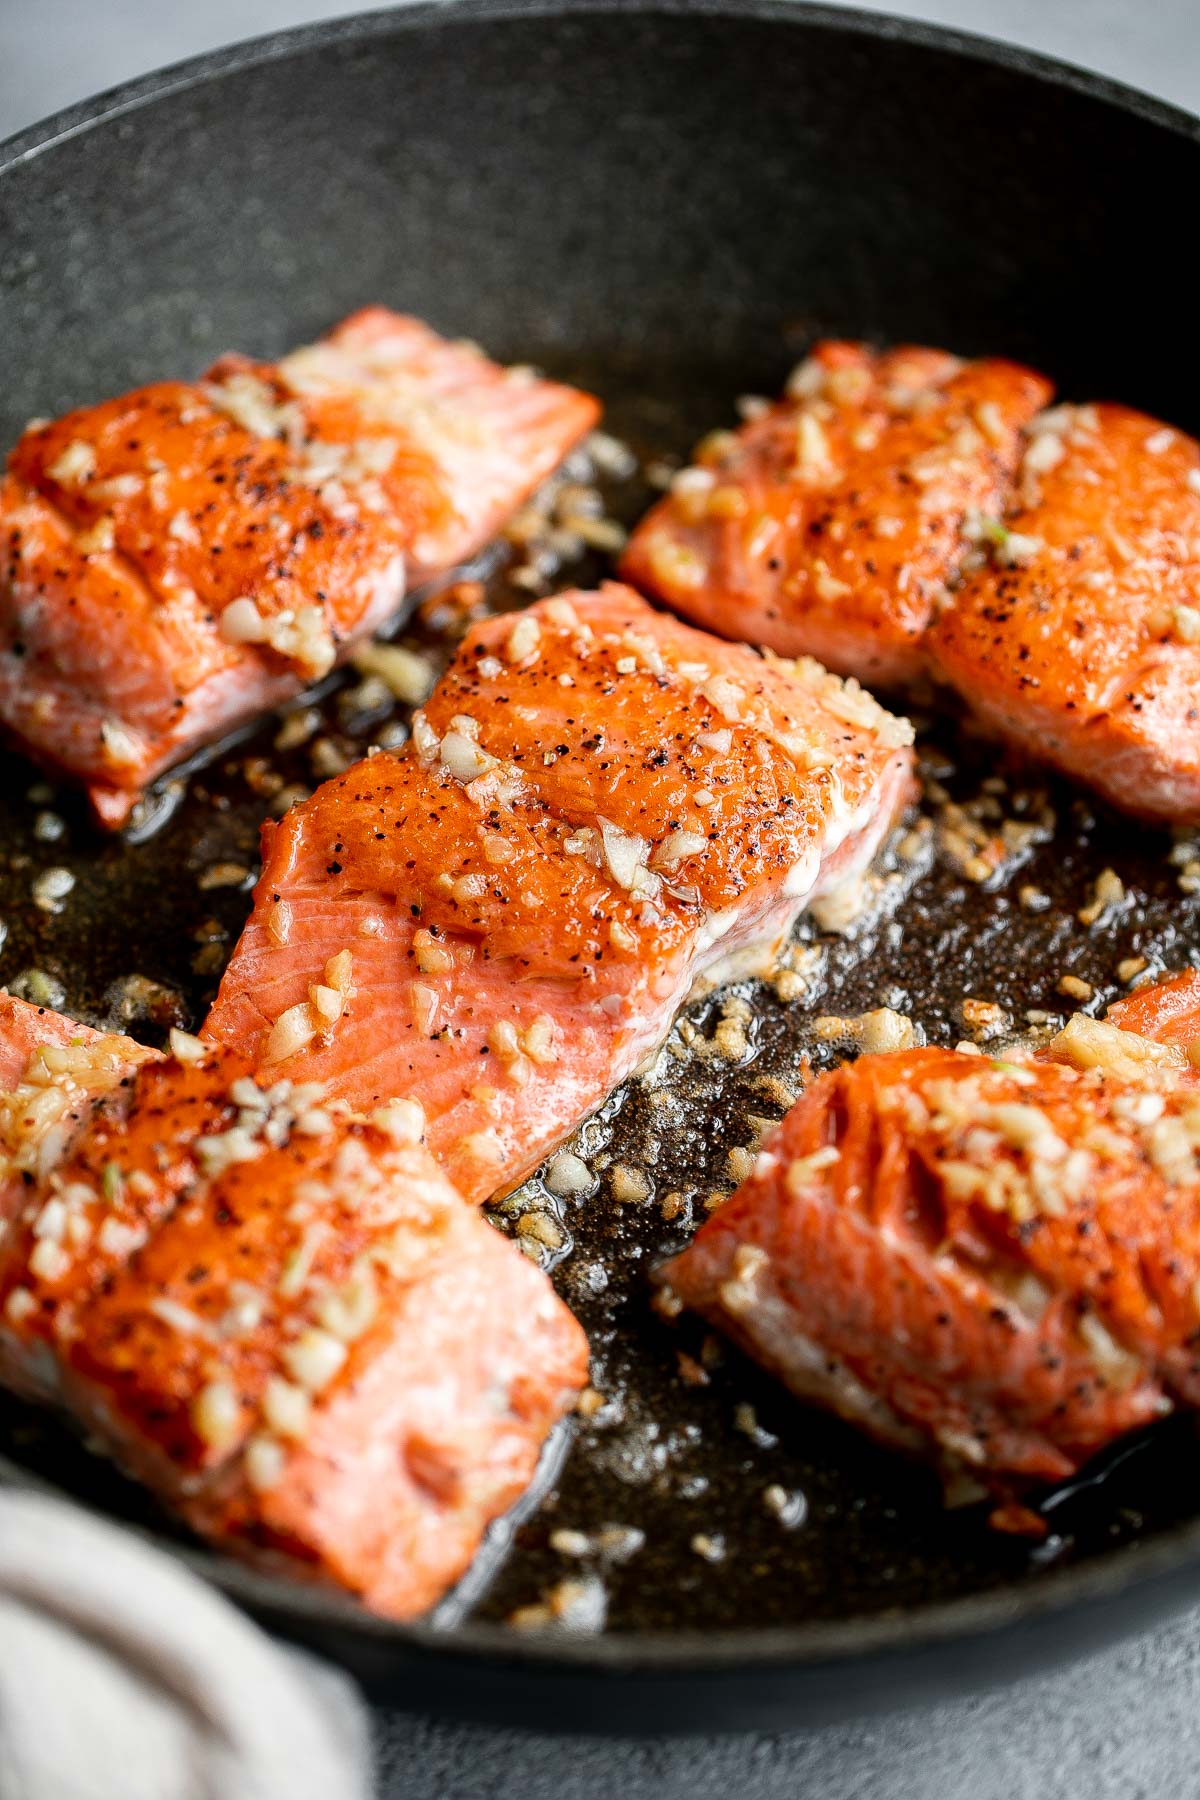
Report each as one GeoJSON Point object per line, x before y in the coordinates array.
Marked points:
{"type": "Point", "coordinates": [1079, 637]}
{"type": "Point", "coordinates": [289, 1325]}
{"type": "Point", "coordinates": [187, 555]}
{"type": "Point", "coordinates": [599, 806]}
{"type": "Point", "coordinates": [991, 1261]}
{"type": "Point", "coordinates": [831, 524]}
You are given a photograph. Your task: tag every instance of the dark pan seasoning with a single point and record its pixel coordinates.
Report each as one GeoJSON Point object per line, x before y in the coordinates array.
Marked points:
{"type": "Point", "coordinates": [694, 1492]}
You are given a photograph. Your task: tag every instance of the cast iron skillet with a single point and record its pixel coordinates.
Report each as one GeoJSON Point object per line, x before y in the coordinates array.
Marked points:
{"type": "Point", "coordinates": [667, 202]}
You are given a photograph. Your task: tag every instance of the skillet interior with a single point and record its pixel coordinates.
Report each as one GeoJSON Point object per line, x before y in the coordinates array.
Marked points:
{"type": "Point", "coordinates": [566, 185]}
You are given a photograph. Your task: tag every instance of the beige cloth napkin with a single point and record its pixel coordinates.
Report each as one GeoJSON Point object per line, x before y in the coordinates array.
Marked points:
{"type": "Point", "coordinates": [125, 1677]}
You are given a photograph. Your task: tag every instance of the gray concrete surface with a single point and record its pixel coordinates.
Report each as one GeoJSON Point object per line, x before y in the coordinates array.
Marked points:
{"type": "Point", "coordinates": [1123, 1726]}
{"type": "Point", "coordinates": [1119, 1727]}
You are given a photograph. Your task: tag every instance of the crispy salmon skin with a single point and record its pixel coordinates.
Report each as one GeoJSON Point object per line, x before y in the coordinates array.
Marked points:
{"type": "Point", "coordinates": [831, 522]}
{"type": "Point", "coordinates": [987, 1260]}
{"type": "Point", "coordinates": [599, 805]}
{"type": "Point", "coordinates": [1078, 639]}
{"type": "Point", "coordinates": [284, 1320]}
{"type": "Point", "coordinates": [187, 555]}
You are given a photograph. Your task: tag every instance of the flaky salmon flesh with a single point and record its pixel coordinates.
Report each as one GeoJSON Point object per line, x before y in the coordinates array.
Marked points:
{"type": "Point", "coordinates": [599, 807]}
{"type": "Point", "coordinates": [283, 1319]}
{"type": "Point", "coordinates": [830, 524]}
{"type": "Point", "coordinates": [181, 558]}
{"type": "Point", "coordinates": [994, 1261]}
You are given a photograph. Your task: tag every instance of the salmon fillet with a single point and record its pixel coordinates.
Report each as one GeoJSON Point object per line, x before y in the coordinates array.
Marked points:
{"type": "Point", "coordinates": [1079, 639]}
{"type": "Point", "coordinates": [55, 1075]}
{"type": "Point", "coordinates": [831, 524]}
{"type": "Point", "coordinates": [26, 1029]}
{"type": "Point", "coordinates": [990, 1261]}
{"type": "Point", "coordinates": [288, 1324]}
{"type": "Point", "coordinates": [183, 557]}
{"type": "Point", "coordinates": [1166, 1011]}
{"type": "Point", "coordinates": [599, 807]}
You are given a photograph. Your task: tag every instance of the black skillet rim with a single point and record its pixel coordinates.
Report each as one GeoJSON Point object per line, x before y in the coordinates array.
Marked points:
{"type": "Point", "coordinates": [1169, 1567]}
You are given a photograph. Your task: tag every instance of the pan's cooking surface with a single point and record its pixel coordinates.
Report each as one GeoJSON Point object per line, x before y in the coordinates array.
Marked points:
{"type": "Point", "coordinates": [691, 193]}
{"type": "Point", "coordinates": [697, 1494]}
